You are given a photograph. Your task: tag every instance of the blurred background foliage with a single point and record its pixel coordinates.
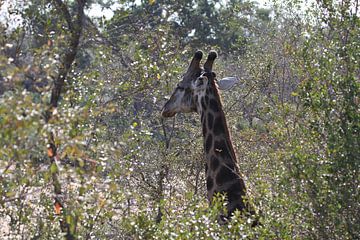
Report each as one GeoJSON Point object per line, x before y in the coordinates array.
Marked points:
{"type": "Point", "coordinates": [124, 172]}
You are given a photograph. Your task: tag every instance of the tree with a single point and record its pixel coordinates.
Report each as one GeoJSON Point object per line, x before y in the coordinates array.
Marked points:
{"type": "Point", "coordinates": [92, 100]}
{"type": "Point", "coordinates": [196, 23]}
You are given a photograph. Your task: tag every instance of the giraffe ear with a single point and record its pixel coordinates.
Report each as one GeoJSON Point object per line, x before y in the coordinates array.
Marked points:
{"type": "Point", "coordinates": [227, 83]}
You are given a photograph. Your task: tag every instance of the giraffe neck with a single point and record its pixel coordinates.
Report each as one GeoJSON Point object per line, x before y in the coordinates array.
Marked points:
{"type": "Point", "coordinates": [215, 126]}
{"type": "Point", "coordinates": [222, 174]}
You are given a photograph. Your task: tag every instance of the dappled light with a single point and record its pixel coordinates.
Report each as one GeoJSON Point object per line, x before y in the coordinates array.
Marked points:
{"type": "Point", "coordinates": [186, 119]}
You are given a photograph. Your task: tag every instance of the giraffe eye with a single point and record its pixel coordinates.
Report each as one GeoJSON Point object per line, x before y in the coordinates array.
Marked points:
{"type": "Point", "coordinates": [179, 87]}
{"type": "Point", "coordinates": [200, 81]}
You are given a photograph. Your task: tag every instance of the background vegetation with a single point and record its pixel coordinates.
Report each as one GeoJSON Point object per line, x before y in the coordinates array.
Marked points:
{"type": "Point", "coordinates": [84, 153]}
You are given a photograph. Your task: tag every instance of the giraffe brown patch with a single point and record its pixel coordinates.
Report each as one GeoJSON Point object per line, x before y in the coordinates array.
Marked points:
{"type": "Point", "coordinates": [237, 187]}
{"type": "Point", "coordinates": [209, 183]}
{"type": "Point", "coordinates": [203, 105]}
{"type": "Point", "coordinates": [208, 143]}
{"type": "Point", "coordinates": [230, 164]}
{"type": "Point", "coordinates": [204, 130]}
{"type": "Point", "coordinates": [214, 163]}
{"type": "Point", "coordinates": [234, 196]}
{"type": "Point", "coordinates": [210, 120]}
{"type": "Point", "coordinates": [225, 175]}
{"type": "Point", "coordinates": [221, 149]}
{"type": "Point", "coordinates": [194, 109]}
{"type": "Point", "coordinates": [219, 126]}
{"type": "Point", "coordinates": [208, 91]}
{"type": "Point", "coordinates": [207, 99]}
{"type": "Point", "coordinates": [214, 105]}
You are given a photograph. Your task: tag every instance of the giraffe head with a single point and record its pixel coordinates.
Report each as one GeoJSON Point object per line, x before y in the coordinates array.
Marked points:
{"type": "Point", "coordinates": [193, 85]}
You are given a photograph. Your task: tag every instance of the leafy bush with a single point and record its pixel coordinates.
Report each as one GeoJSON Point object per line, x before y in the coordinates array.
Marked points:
{"type": "Point", "coordinates": [125, 173]}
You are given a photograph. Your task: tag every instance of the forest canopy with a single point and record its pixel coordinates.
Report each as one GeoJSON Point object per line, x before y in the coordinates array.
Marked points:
{"type": "Point", "coordinates": [86, 154]}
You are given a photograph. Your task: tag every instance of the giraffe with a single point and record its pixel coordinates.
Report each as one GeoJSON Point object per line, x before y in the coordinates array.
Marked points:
{"type": "Point", "coordinates": [198, 92]}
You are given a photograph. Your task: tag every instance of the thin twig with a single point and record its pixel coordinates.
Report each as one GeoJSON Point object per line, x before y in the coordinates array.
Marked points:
{"type": "Point", "coordinates": [242, 97]}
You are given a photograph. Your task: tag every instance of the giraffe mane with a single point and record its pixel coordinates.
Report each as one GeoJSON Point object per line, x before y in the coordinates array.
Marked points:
{"type": "Point", "coordinates": [227, 132]}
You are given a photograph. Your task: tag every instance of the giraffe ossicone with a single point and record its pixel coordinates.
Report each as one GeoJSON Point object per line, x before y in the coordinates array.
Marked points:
{"type": "Point", "coordinates": [198, 91]}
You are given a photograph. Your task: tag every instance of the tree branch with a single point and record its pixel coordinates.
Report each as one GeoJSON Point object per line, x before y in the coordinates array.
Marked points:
{"type": "Point", "coordinates": [70, 53]}
{"type": "Point", "coordinates": [75, 29]}
{"type": "Point", "coordinates": [65, 12]}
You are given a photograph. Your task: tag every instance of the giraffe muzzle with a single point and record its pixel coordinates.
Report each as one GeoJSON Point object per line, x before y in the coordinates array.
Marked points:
{"type": "Point", "coordinates": [166, 113]}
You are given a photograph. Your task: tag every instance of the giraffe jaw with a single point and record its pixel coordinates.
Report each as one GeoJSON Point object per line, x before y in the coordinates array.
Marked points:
{"type": "Point", "coordinates": [167, 114]}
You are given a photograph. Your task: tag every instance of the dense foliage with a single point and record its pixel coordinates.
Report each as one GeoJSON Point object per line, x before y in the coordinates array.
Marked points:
{"type": "Point", "coordinates": [85, 154]}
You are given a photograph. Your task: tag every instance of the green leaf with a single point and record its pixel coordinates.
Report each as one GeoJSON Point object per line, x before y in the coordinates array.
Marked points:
{"type": "Point", "coordinates": [53, 168]}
